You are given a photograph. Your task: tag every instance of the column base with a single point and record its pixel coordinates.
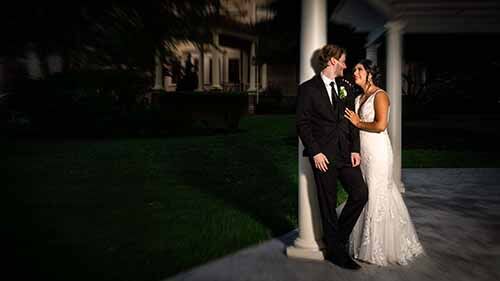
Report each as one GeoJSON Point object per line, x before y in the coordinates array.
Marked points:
{"type": "Point", "coordinates": [306, 249]}
{"type": "Point", "coordinates": [216, 87]}
{"type": "Point", "coordinates": [310, 254]}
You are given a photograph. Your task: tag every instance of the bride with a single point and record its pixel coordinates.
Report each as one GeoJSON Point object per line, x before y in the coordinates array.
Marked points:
{"type": "Point", "coordinates": [384, 233]}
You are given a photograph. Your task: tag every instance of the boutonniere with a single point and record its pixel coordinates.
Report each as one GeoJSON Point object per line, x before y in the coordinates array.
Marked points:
{"type": "Point", "coordinates": [342, 92]}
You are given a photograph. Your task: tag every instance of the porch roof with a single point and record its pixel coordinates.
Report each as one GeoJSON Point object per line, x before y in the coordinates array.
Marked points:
{"type": "Point", "coordinates": [419, 16]}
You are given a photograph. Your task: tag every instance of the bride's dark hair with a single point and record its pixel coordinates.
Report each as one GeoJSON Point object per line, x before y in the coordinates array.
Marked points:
{"type": "Point", "coordinates": [372, 69]}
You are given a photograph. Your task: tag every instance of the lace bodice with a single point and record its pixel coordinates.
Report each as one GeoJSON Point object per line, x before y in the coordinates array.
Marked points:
{"type": "Point", "coordinates": [366, 111]}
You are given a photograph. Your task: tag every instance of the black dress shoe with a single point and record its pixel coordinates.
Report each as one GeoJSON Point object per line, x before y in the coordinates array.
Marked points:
{"type": "Point", "coordinates": [351, 264]}
{"type": "Point", "coordinates": [344, 261]}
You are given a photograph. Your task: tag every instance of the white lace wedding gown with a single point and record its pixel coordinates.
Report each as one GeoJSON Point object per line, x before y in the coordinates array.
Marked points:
{"type": "Point", "coordinates": [384, 233]}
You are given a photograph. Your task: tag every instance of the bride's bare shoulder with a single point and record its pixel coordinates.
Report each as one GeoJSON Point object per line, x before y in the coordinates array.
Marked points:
{"type": "Point", "coordinates": [382, 96]}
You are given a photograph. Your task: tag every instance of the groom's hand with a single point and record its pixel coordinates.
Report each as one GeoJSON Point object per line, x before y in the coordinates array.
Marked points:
{"type": "Point", "coordinates": [321, 162]}
{"type": "Point", "coordinates": [355, 159]}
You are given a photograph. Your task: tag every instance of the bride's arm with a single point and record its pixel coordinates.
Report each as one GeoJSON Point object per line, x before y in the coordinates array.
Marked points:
{"type": "Point", "coordinates": [379, 124]}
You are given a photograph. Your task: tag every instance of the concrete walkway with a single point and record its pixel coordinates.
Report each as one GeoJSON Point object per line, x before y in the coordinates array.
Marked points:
{"type": "Point", "coordinates": [455, 211]}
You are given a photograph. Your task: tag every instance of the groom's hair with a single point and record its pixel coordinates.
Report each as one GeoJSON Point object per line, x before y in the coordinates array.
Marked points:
{"type": "Point", "coordinates": [329, 51]}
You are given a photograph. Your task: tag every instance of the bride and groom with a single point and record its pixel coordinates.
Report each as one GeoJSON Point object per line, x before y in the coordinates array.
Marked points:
{"type": "Point", "coordinates": [345, 139]}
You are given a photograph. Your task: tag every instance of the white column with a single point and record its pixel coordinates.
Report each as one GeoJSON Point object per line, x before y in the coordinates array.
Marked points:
{"type": "Point", "coordinates": [158, 73]}
{"type": "Point", "coordinates": [216, 64]}
{"type": "Point", "coordinates": [244, 70]}
{"type": "Point", "coordinates": [201, 68]}
{"type": "Point", "coordinates": [263, 76]}
{"type": "Point", "coordinates": [224, 69]}
{"type": "Point", "coordinates": [394, 82]}
{"type": "Point", "coordinates": [33, 65]}
{"type": "Point", "coordinates": [253, 12]}
{"type": "Point", "coordinates": [54, 63]}
{"type": "Point", "coordinates": [1, 76]}
{"type": "Point", "coordinates": [252, 87]}
{"type": "Point", "coordinates": [312, 37]}
{"type": "Point", "coordinates": [206, 69]}
{"type": "Point", "coordinates": [371, 53]}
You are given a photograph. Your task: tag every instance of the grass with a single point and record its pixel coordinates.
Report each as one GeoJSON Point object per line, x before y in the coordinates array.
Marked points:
{"type": "Point", "coordinates": [145, 209]}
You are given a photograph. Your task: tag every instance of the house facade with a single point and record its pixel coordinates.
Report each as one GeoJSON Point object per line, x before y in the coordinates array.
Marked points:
{"type": "Point", "coordinates": [229, 64]}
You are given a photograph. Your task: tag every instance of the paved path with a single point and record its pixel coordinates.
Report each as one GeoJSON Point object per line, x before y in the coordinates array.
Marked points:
{"type": "Point", "coordinates": [456, 213]}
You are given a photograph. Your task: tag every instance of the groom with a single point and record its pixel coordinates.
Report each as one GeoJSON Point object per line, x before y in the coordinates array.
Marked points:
{"type": "Point", "coordinates": [332, 145]}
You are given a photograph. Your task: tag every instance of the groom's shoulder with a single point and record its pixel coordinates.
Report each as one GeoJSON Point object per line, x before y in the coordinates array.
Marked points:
{"type": "Point", "coordinates": [308, 84]}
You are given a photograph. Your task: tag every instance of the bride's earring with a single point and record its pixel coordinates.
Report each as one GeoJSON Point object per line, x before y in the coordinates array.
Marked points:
{"type": "Point", "coordinates": [369, 81]}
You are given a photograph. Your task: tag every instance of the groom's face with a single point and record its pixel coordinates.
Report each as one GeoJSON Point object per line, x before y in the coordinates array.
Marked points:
{"type": "Point", "coordinates": [339, 66]}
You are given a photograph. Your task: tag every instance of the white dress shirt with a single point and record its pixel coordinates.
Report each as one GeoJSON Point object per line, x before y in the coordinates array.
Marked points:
{"type": "Point", "coordinates": [327, 82]}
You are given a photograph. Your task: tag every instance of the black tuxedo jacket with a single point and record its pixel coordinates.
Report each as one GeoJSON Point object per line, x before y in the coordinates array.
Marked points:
{"type": "Point", "coordinates": [322, 126]}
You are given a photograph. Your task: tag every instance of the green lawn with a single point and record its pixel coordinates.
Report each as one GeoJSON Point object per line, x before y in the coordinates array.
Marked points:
{"type": "Point", "coordinates": [144, 209]}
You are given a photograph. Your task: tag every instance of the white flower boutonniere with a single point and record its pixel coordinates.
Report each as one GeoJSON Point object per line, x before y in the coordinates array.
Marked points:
{"type": "Point", "coordinates": [342, 92]}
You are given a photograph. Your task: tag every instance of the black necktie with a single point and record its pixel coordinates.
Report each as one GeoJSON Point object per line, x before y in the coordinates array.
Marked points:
{"type": "Point", "coordinates": [334, 92]}
{"type": "Point", "coordinates": [338, 104]}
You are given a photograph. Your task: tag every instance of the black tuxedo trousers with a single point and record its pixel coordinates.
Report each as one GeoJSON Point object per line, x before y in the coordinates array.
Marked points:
{"type": "Point", "coordinates": [336, 230]}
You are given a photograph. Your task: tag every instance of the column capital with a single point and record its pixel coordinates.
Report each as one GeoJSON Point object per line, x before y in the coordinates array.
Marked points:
{"type": "Point", "coordinates": [395, 26]}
